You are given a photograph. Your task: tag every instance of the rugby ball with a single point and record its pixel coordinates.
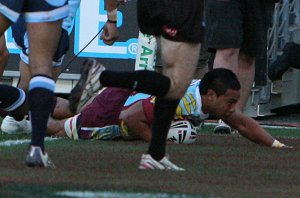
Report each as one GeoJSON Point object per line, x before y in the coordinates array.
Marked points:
{"type": "Point", "coordinates": [182, 132]}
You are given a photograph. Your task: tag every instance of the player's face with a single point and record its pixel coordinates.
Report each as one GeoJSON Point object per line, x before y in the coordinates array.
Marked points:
{"type": "Point", "coordinates": [224, 105]}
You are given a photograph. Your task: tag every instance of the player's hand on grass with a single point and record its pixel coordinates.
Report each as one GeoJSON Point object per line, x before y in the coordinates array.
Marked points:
{"type": "Point", "coordinates": [277, 144]}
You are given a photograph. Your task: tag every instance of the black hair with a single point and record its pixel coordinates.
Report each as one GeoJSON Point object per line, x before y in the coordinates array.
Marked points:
{"type": "Point", "coordinates": [219, 80]}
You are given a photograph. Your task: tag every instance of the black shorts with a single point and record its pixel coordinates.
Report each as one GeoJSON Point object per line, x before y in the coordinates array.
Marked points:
{"type": "Point", "coordinates": [176, 20]}
{"type": "Point", "coordinates": [239, 24]}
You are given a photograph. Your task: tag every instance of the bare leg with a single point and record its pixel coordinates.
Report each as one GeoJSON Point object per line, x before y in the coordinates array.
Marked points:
{"type": "Point", "coordinates": [227, 58]}
{"type": "Point", "coordinates": [4, 54]}
{"type": "Point", "coordinates": [42, 46]}
{"type": "Point", "coordinates": [246, 74]}
{"type": "Point", "coordinates": [179, 60]}
{"type": "Point", "coordinates": [43, 40]}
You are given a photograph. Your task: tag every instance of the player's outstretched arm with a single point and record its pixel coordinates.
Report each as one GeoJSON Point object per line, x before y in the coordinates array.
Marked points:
{"type": "Point", "coordinates": [251, 129]}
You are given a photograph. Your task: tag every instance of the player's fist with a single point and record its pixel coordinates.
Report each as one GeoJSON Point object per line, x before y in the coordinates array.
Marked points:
{"type": "Point", "coordinates": [110, 33]}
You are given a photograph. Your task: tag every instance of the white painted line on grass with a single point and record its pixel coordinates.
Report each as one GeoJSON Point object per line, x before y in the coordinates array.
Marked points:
{"type": "Point", "coordinates": [22, 141]}
{"type": "Point", "coordinates": [107, 194]}
{"type": "Point", "coordinates": [14, 142]}
{"type": "Point", "coordinates": [263, 125]}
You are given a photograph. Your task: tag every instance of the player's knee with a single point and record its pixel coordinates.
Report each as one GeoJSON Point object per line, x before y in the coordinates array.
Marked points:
{"type": "Point", "coordinates": [228, 53]}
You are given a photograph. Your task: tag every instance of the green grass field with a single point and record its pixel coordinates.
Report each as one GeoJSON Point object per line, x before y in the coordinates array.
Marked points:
{"type": "Point", "coordinates": [216, 166]}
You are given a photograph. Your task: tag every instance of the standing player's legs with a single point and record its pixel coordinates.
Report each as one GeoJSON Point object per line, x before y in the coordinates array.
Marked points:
{"type": "Point", "coordinates": [226, 36]}
{"type": "Point", "coordinates": [44, 30]}
{"type": "Point", "coordinates": [179, 31]}
{"type": "Point", "coordinates": [180, 48]}
{"type": "Point", "coordinates": [258, 17]}
{"type": "Point", "coordinates": [179, 60]}
{"type": "Point", "coordinates": [42, 46]}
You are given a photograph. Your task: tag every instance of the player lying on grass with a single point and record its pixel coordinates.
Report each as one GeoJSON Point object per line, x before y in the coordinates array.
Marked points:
{"type": "Point", "coordinates": [217, 94]}
{"type": "Point", "coordinates": [106, 117]}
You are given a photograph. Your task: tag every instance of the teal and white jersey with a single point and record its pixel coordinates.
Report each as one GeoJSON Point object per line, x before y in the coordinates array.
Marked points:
{"type": "Point", "coordinates": [191, 104]}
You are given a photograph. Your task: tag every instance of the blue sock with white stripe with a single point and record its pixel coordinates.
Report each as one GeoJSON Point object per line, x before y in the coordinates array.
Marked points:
{"type": "Point", "coordinates": [40, 99]}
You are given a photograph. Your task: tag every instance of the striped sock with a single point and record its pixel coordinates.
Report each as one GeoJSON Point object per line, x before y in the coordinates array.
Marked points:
{"type": "Point", "coordinates": [40, 98]}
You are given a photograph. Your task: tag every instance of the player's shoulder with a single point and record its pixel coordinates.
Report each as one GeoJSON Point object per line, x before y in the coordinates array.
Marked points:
{"type": "Point", "coordinates": [195, 82]}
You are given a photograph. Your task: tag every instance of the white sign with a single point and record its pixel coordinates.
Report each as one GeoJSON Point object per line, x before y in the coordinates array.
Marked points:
{"type": "Point", "coordinates": [89, 20]}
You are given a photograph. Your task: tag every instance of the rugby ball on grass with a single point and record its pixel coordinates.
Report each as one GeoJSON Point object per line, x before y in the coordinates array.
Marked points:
{"type": "Point", "coordinates": [182, 132]}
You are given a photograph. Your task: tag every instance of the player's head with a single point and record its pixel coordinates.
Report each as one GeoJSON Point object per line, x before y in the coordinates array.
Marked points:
{"type": "Point", "coordinates": [219, 80]}
{"type": "Point", "coordinates": [220, 89]}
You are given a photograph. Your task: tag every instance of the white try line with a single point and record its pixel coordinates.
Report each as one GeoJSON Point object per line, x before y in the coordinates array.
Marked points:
{"type": "Point", "coordinates": [263, 125]}
{"type": "Point", "coordinates": [22, 141]}
{"type": "Point", "coordinates": [107, 194]}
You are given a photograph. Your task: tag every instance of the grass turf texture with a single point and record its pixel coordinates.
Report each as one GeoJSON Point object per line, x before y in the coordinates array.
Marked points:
{"type": "Point", "coordinates": [216, 166]}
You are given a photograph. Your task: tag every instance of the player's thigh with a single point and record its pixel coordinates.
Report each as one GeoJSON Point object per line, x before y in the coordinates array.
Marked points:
{"type": "Point", "coordinates": [44, 29]}
{"type": "Point", "coordinates": [43, 45]}
{"type": "Point", "coordinates": [179, 64]}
